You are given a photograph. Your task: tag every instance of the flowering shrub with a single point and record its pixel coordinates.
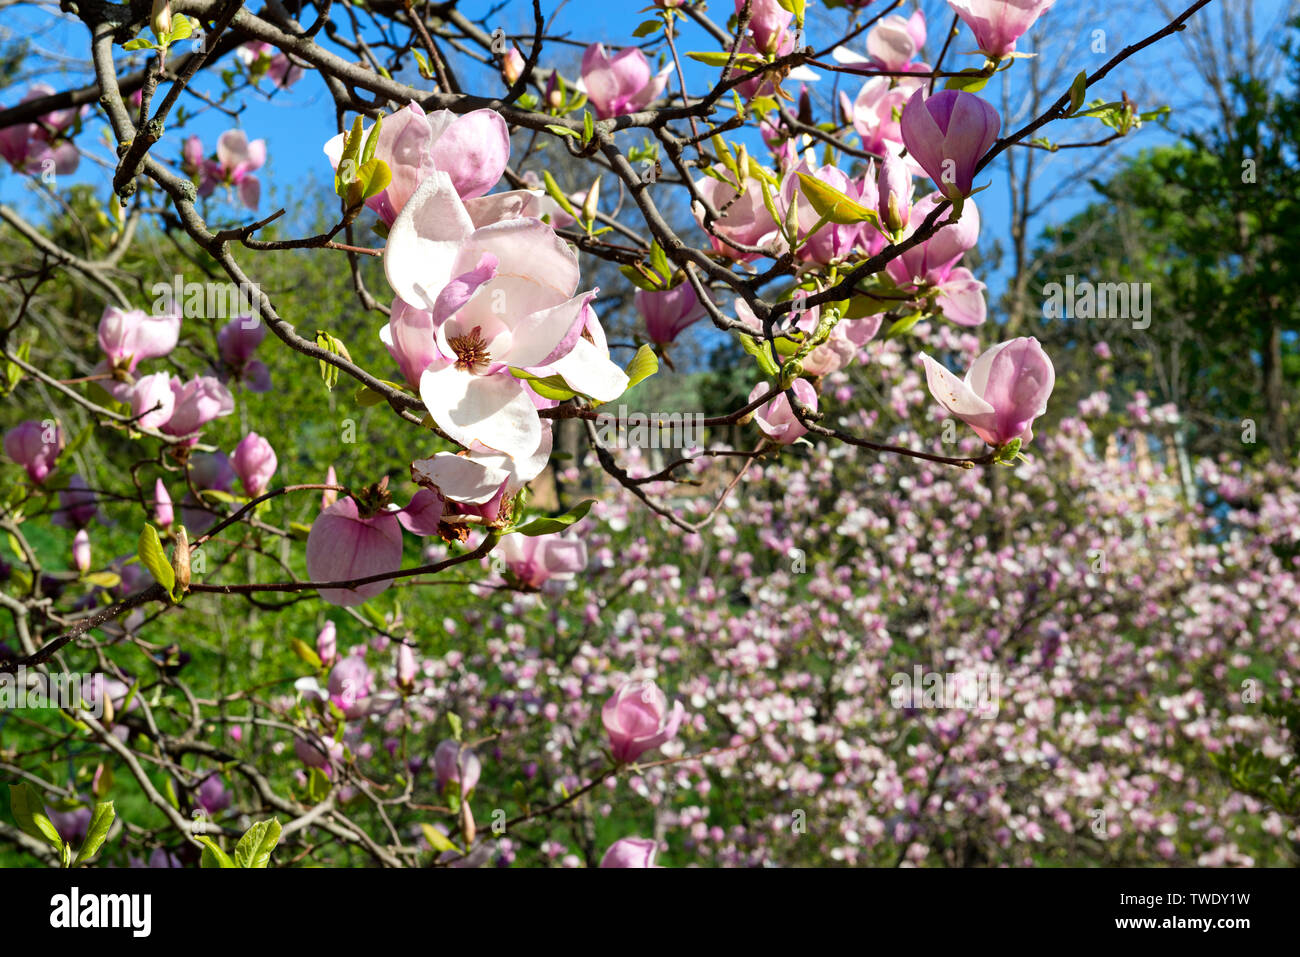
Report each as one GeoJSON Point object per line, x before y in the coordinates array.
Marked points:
{"type": "Point", "coordinates": [447, 604]}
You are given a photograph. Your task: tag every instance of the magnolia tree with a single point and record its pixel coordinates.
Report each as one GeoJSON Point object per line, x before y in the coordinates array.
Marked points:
{"type": "Point", "coordinates": [710, 656]}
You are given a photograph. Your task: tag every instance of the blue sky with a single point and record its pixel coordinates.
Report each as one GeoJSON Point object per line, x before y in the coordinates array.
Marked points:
{"type": "Point", "coordinates": [296, 123]}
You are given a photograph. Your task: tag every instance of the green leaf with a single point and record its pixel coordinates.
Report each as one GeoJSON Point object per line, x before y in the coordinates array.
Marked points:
{"type": "Point", "coordinates": [373, 177]}
{"type": "Point", "coordinates": [549, 526]}
{"type": "Point", "coordinates": [182, 29]}
{"type": "Point", "coordinates": [100, 821]}
{"type": "Point", "coordinates": [562, 131]}
{"type": "Point", "coordinates": [213, 855]}
{"type": "Point", "coordinates": [169, 789]}
{"type": "Point", "coordinates": [437, 840]}
{"type": "Point", "coordinates": [972, 81]}
{"type": "Point", "coordinates": [745, 61]}
{"type": "Point", "coordinates": [29, 814]}
{"type": "Point", "coordinates": [305, 652]}
{"type": "Point", "coordinates": [318, 785]}
{"type": "Point", "coordinates": [372, 139]}
{"type": "Point", "coordinates": [424, 65]}
{"type": "Point", "coordinates": [548, 387]}
{"type": "Point", "coordinates": [457, 726]}
{"type": "Point", "coordinates": [588, 126]}
{"type": "Point", "coordinates": [217, 495]}
{"type": "Point", "coordinates": [103, 579]}
{"type": "Point", "coordinates": [643, 365]}
{"type": "Point", "coordinates": [139, 43]}
{"type": "Point", "coordinates": [903, 326]}
{"type": "Point", "coordinates": [255, 847]}
{"type": "Point", "coordinates": [647, 28]}
{"type": "Point", "coordinates": [834, 206]}
{"type": "Point", "coordinates": [761, 352]}
{"type": "Point", "coordinates": [150, 550]}
{"type": "Point", "coordinates": [1078, 90]}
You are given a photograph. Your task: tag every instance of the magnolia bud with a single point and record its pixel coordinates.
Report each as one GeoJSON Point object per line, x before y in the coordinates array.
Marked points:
{"type": "Point", "coordinates": [181, 559]}
{"type": "Point", "coordinates": [512, 66]}
{"type": "Point", "coordinates": [161, 17]}
{"type": "Point", "coordinates": [81, 551]}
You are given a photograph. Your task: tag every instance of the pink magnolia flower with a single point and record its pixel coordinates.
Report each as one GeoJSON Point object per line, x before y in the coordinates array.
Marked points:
{"type": "Point", "coordinates": [892, 44]}
{"type": "Point", "coordinates": [41, 147]}
{"type": "Point", "coordinates": [35, 446]}
{"type": "Point", "coordinates": [620, 85]}
{"type": "Point", "coordinates": [1005, 390]}
{"type": "Point", "coordinates": [512, 65]}
{"type": "Point", "coordinates": [472, 150]}
{"type": "Point", "coordinates": [344, 545]}
{"type": "Point", "coordinates": [934, 263]}
{"type": "Point", "coordinates": [262, 59]}
{"type": "Point", "coordinates": [318, 751]}
{"type": "Point", "coordinates": [236, 161]}
{"type": "Point", "coordinates": [769, 22]}
{"type": "Point", "coordinates": [81, 551]}
{"type": "Point", "coordinates": [776, 418]}
{"type": "Point", "coordinates": [129, 336]}
{"type": "Point", "coordinates": [236, 342]}
{"type": "Point", "coordinates": [933, 260]}
{"type": "Point", "coordinates": [998, 24]}
{"type": "Point", "coordinates": [534, 560]}
{"type": "Point", "coordinates": [501, 297]}
{"type": "Point", "coordinates": [152, 400]}
{"type": "Point", "coordinates": [198, 402]}
{"type": "Point", "coordinates": [327, 648]}
{"type": "Point", "coordinates": [407, 668]}
{"type": "Point", "coordinates": [481, 480]}
{"type": "Point", "coordinates": [744, 220]}
{"type": "Point", "coordinates": [211, 795]}
{"type": "Point", "coordinates": [948, 134]}
{"type": "Point", "coordinates": [669, 312]}
{"type": "Point", "coordinates": [254, 462]}
{"type": "Point", "coordinates": [874, 114]}
{"type": "Point", "coordinates": [637, 719]}
{"type": "Point", "coordinates": [631, 852]}
{"type": "Point", "coordinates": [894, 188]}
{"type": "Point", "coordinates": [350, 685]}
{"type": "Point", "coordinates": [453, 762]}
{"type": "Point", "coordinates": [832, 241]}
{"type": "Point", "coordinates": [163, 512]}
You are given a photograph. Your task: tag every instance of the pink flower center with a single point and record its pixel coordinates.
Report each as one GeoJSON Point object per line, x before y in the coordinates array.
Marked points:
{"type": "Point", "coordinates": [471, 351]}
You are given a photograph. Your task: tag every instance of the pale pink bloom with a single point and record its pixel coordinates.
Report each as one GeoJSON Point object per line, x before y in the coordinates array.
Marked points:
{"type": "Point", "coordinates": [501, 297]}
{"type": "Point", "coordinates": [481, 479]}
{"type": "Point", "coordinates": [343, 546]}
{"type": "Point", "coordinates": [236, 161]}
{"type": "Point", "coordinates": [620, 85]}
{"type": "Point", "coordinates": [407, 669]}
{"type": "Point", "coordinates": [961, 298]}
{"type": "Point", "coordinates": [318, 751]}
{"type": "Point", "coordinates": [198, 402]}
{"type": "Point", "coordinates": [535, 560]}
{"type": "Point", "coordinates": [777, 420]}
{"type": "Point", "coordinates": [260, 56]}
{"type": "Point", "coordinates": [455, 763]}
{"type": "Point", "coordinates": [1005, 390]}
{"type": "Point", "coordinates": [892, 44]}
{"type": "Point", "coordinates": [40, 147]}
{"type": "Point", "coordinates": [745, 220]}
{"type": "Point", "coordinates": [152, 400]}
{"type": "Point", "coordinates": [129, 336]}
{"type": "Point", "coordinates": [472, 150]}
{"type": "Point", "coordinates": [327, 643]}
{"type": "Point", "coordinates": [637, 719]}
{"type": "Point", "coordinates": [998, 24]}
{"type": "Point", "coordinates": [81, 551]}
{"type": "Point", "coordinates": [948, 134]}
{"type": "Point", "coordinates": [631, 852]}
{"type": "Point", "coordinates": [512, 65]}
{"type": "Point", "coordinates": [894, 191]}
{"type": "Point", "coordinates": [832, 241]}
{"type": "Point", "coordinates": [254, 462]}
{"type": "Point", "coordinates": [35, 447]}
{"type": "Point", "coordinates": [875, 114]}
{"type": "Point", "coordinates": [668, 312]}
{"type": "Point", "coordinates": [933, 260]}
{"type": "Point", "coordinates": [236, 342]}
{"type": "Point", "coordinates": [768, 21]}
{"type": "Point", "coordinates": [163, 513]}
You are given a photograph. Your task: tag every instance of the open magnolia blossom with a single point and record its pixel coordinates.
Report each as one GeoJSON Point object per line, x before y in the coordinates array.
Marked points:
{"type": "Point", "coordinates": [775, 417]}
{"type": "Point", "coordinates": [535, 560]}
{"type": "Point", "coordinates": [892, 44]}
{"type": "Point", "coordinates": [501, 299]}
{"type": "Point", "coordinates": [622, 83]}
{"type": "Point", "coordinates": [472, 150]}
{"type": "Point", "coordinates": [480, 480]}
{"type": "Point", "coordinates": [998, 24]}
{"type": "Point", "coordinates": [744, 219]}
{"type": "Point", "coordinates": [933, 263]}
{"type": "Point", "coordinates": [1005, 390]}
